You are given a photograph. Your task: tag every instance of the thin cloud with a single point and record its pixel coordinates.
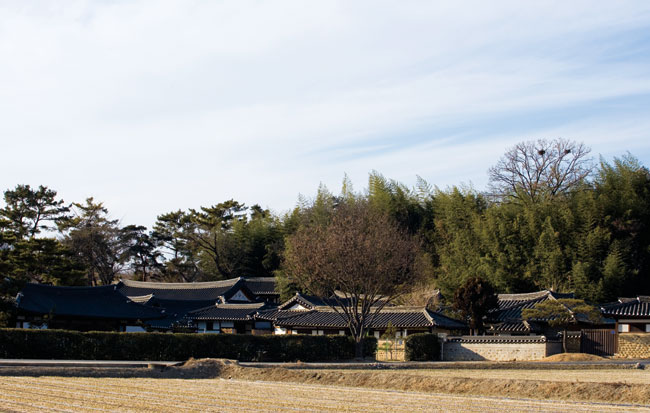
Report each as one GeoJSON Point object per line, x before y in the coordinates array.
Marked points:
{"type": "Point", "coordinates": [155, 106]}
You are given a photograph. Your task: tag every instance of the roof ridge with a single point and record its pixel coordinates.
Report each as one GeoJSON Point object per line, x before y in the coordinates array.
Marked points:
{"type": "Point", "coordinates": [524, 296]}
{"type": "Point", "coordinates": [187, 286]}
{"type": "Point", "coordinates": [73, 287]}
{"type": "Point", "coordinates": [240, 305]}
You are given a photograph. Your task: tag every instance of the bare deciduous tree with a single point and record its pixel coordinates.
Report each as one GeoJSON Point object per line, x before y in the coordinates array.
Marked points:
{"type": "Point", "coordinates": [362, 260]}
{"type": "Point", "coordinates": [536, 170]}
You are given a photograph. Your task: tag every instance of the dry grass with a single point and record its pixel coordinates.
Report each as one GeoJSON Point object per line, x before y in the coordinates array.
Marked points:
{"type": "Point", "coordinates": [464, 382]}
{"type": "Point", "coordinates": [628, 376]}
{"type": "Point", "coordinates": [30, 394]}
{"type": "Point", "coordinates": [573, 357]}
{"type": "Point", "coordinates": [605, 386]}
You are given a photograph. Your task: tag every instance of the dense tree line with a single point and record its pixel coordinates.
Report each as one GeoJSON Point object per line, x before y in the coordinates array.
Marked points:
{"type": "Point", "coordinates": [550, 219]}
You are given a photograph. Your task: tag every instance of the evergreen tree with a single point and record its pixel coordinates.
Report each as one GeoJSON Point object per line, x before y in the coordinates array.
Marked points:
{"type": "Point", "coordinates": [96, 241]}
{"type": "Point", "coordinates": [29, 211]}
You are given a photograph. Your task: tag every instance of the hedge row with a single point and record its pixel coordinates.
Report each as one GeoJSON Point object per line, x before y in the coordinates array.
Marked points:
{"type": "Point", "coordinates": [74, 345]}
{"type": "Point", "coordinates": [422, 347]}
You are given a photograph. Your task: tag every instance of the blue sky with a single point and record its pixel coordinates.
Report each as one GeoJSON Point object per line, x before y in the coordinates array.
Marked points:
{"type": "Point", "coordinates": [152, 106]}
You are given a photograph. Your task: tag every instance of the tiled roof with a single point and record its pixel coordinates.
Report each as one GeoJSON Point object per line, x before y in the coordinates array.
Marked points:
{"type": "Point", "coordinates": [198, 290]}
{"type": "Point", "coordinates": [175, 311]}
{"type": "Point", "coordinates": [628, 307]}
{"type": "Point", "coordinates": [94, 302]}
{"type": "Point", "coordinates": [499, 339]}
{"type": "Point", "coordinates": [274, 314]}
{"type": "Point", "coordinates": [511, 305]}
{"type": "Point", "coordinates": [163, 304]}
{"type": "Point", "coordinates": [307, 301]}
{"type": "Point", "coordinates": [443, 321]}
{"type": "Point", "coordinates": [400, 317]}
{"type": "Point", "coordinates": [515, 326]}
{"type": "Point", "coordinates": [226, 311]}
{"type": "Point", "coordinates": [178, 291]}
{"type": "Point", "coordinates": [261, 285]}
{"type": "Point", "coordinates": [142, 299]}
{"type": "Point", "coordinates": [312, 301]}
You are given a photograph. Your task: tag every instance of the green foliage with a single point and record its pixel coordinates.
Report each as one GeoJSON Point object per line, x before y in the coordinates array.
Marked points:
{"type": "Point", "coordinates": [562, 312]}
{"type": "Point", "coordinates": [180, 255]}
{"type": "Point", "coordinates": [590, 236]}
{"type": "Point", "coordinates": [285, 286]}
{"type": "Point", "coordinates": [422, 347]}
{"type": "Point", "coordinates": [141, 251]}
{"type": "Point", "coordinates": [72, 345]}
{"type": "Point", "coordinates": [95, 240]}
{"type": "Point", "coordinates": [389, 336]}
{"type": "Point", "coordinates": [28, 210]}
{"type": "Point", "coordinates": [474, 299]}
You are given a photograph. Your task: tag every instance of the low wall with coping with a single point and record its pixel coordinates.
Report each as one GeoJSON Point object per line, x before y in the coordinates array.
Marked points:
{"type": "Point", "coordinates": [499, 348]}
{"type": "Point", "coordinates": [633, 345]}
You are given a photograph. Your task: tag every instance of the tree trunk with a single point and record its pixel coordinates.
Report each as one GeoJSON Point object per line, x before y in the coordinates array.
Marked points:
{"type": "Point", "coordinates": [358, 348]}
{"type": "Point", "coordinates": [564, 341]}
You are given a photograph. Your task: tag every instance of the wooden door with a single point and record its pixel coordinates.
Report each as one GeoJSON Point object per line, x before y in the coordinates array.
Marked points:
{"type": "Point", "coordinates": [601, 342]}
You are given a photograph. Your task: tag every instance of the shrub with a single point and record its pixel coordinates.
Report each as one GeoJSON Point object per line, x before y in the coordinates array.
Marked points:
{"type": "Point", "coordinates": [422, 347]}
{"type": "Point", "coordinates": [62, 344]}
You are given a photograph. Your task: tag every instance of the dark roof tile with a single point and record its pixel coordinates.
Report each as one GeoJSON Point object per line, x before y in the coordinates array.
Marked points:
{"type": "Point", "coordinates": [226, 311]}
{"type": "Point", "coordinates": [628, 307]}
{"type": "Point", "coordinates": [178, 291]}
{"type": "Point", "coordinates": [93, 302]}
{"type": "Point", "coordinates": [510, 306]}
{"type": "Point", "coordinates": [400, 317]}
{"type": "Point", "coordinates": [261, 285]}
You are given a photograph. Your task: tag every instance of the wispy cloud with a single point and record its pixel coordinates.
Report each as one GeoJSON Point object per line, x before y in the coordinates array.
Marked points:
{"type": "Point", "coordinates": [153, 106]}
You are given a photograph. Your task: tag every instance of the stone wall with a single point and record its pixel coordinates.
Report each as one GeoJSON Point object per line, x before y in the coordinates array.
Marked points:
{"type": "Point", "coordinates": [390, 350]}
{"type": "Point", "coordinates": [633, 345]}
{"type": "Point", "coordinates": [499, 348]}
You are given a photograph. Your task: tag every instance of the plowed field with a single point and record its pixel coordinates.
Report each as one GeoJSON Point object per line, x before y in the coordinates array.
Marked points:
{"type": "Point", "coordinates": [72, 394]}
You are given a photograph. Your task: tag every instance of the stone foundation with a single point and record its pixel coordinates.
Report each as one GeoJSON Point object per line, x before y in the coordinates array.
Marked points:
{"type": "Point", "coordinates": [499, 348]}
{"type": "Point", "coordinates": [633, 345]}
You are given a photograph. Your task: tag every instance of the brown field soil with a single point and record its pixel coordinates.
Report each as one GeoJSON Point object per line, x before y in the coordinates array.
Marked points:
{"type": "Point", "coordinates": [72, 394]}
{"type": "Point", "coordinates": [629, 376]}
{"type": "Point", "coordinates": [573, 357]}
{"type": "Point", "coordinates": [623, 386]}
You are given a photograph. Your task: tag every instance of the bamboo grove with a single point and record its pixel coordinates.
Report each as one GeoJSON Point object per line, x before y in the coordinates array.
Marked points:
{"type": "Point", "coordinates": [551, 218]}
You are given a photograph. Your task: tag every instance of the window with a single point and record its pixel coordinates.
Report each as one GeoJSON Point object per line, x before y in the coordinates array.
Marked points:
{"type": "Point", "coordinates": [623, 328]}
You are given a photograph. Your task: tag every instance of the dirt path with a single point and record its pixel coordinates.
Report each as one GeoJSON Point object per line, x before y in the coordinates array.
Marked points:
{"type": "Point", "coordinates": [30, 394]}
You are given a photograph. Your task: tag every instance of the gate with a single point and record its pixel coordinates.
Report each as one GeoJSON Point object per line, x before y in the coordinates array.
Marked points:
{"type": "Point", "coordinates": [598, 342]}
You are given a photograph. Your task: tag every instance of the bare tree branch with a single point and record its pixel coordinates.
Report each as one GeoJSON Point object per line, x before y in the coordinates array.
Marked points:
{"type": "Point", "coordinates": [536, 170]}
{"type": "Point", "coordinates": [362, 261]}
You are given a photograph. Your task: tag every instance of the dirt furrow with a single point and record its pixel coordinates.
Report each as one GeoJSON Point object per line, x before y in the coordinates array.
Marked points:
{"type": "Point", "coordinates": [189, 392]}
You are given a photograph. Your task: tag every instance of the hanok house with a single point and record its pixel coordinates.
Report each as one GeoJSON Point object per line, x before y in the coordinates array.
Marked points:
{"type": "Point", "coordinates": [582, 335]}
{"type": "Point", "coordinates": [305, 314]}
{"type": "Point", "coordinates": [179, 299]}
{"type": "Point", "coordinates": [135, 306]}
{"type": "Point", "coordinates": [228, 317]}
{"type": "Point", "coordinates": [81, 308]}
{"type": "Point", "coordinates": [632, 317]}
{"type": "Point", "coordinates": [507, 319]}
